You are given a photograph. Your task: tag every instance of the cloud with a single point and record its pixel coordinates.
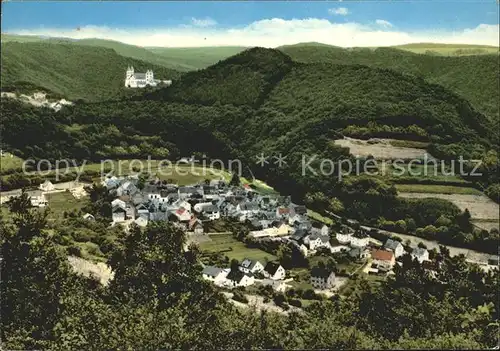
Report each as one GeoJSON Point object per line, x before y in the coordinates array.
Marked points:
{"type": "Point", "coordinates": [276, 32]}
{"type": "Point", "coordinates": [203, 22]}
{"type": "Point", "coordinates": [342, 11]}
{"type": "Point", "coordinates": [384, 23]}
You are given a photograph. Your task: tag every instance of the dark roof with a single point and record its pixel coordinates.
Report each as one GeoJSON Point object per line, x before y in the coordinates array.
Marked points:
{"type": "Point", "coordinates": [391, 244]}
{"type": "Point", "coordinates": [321, 272]}
{"type": "Point", "coordinates": [140, 75]}
{"type": "Point", "coordinates": [324, 238]}
{"type": "Point", "coordinates": [248, 263]}
{"type": "Point", "coordinates": [248, 206]}
{"type": "Point", "coordinates": [272, 267]}
{"type": "Point", "coordinates": [299, 234]}
{"type": "Point", "coordinates": [211, 271]}
{"type": "Point", "coordinates": [210, 209]}
{"type": "Point", "coordinates": [302, 210]}
{"type": "Point", "coordinates": [360, 234]}
{"type": "Point", "coordinates": [187, 190]}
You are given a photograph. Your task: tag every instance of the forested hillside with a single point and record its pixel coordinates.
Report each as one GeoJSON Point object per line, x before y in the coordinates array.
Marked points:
{"type": "Point", "coordinates": [76, 72]}
{"type": "Point", "coordinates": [243, 79]}
{"type": "Point", "coordinates": [260, 101]}
{"type": "Point", "coordinates": [473, 77]}
{"type": "Point", "coordinates": [158, 300]}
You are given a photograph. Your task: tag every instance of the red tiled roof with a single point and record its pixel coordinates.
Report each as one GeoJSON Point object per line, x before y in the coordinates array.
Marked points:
{"type": "Point", "coordinates": [283, 210]}
{"type": "Point", "coordinates": [382, 255]}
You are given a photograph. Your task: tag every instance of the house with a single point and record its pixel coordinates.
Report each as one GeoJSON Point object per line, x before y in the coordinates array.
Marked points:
{"type": "Point", "coordinates": [214, 274]}
{"type": "Point", "coordinates": [196, 226]}
{"type": "Point", "coordinates": [360, 239]}
{"type": "Point", "coordinates": [344, 235]}
{"type": "Point", "coordinates": [185, 192]}
{"type": "Point", "coordinates": [238, 278]}
{"type": "Point", "coordinates": [38, 199]}
{"type": "Point", "coordinates": [394, 246]}
{"type": "Point", "coordinates": [299, 209]}
{"type": "Point", "coordinates": [299, 235]}
{"type": "Point", "coordinates": [251, 266]}
{"type": "Point", "coordinates": [322, 278]}
{"type": "Point", "coordinates": [282, 212]}
{"type": "Point", "coordinates": [211, 212]}
{"type": "Point", "coordinates": [182, 204]}
{"type": "Point", "coordinates": [383, 260]}
{"type": "Point", "coordinates": [47, 186]}
{"type": "Point", "coordinates": [142, 210]}
{"type": "Point", "coordinates": [119, 213]}
{"type": "Point", "coordinates": [277, 285]}
{"type": "Point", "coordinates": [317, 240]}
{"type": "Point", "coordinates": [111, 182]}
{"type": "Point", "coordinates": [89, 217]}
{"type": "Point", "coordinates": [360, 253]}
{"type": "Point", "coordinates": [248, 208]}
{"type": "Point", "coordinates": [274, 271]}
{"type": "Point", "coordinates": [127, 188]}
{"type": "Point", "coordinates": [119, 203]}
{"type": "Point", "coordinates": [182, 215]}
{"type": "Point", "coordinates": [420, 254]}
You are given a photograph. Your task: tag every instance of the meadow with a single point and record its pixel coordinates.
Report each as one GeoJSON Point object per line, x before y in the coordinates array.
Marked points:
{"type": "Point", "coordinates": [234, 249]}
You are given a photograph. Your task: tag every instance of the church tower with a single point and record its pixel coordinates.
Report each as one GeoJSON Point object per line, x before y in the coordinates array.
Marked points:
{"type": "Point", "coordinates": [129, 77]}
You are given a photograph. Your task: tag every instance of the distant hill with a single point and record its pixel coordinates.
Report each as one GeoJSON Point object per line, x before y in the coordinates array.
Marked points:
{"type": "Point", "coordinates": [473, 77]}
{"type": "Point", "coordinates": [448, 49]}
{"type": "Point", "coordinates": [74, 71]}
{"type": "Point", "coordinates": [180, 59]}
{"type": "Point", "coordinates": [189, 59]}
{"type": "Point", "coordinates": [294, 95]}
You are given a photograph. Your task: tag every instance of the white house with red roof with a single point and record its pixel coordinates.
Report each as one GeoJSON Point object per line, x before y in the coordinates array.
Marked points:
{"type": "Point", "coordinates": [182, 214]}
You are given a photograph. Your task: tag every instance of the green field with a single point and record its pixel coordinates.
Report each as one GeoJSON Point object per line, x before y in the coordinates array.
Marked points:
{"type": "Point", "coordinates": [316, 216]}
{"type": "Point", "coordinates": [423, 172]}
{"type": "Point", "coordinates": [222, 242]}
{"type": "Point", "coordinates": [9, 162]}
{"type": "Point", "coordinates": [61, 202]}
{"type": "Point", "coordinates": [436, 189]}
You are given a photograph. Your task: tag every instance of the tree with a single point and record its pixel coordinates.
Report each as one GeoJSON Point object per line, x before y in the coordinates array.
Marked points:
{"type": "Point", "coordinates": [235, 180]}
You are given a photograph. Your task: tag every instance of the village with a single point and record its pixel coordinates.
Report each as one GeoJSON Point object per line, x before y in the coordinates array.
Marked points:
{"type": "Point", "coordinates": [271, 222]}
{"type": "Point", "coordinates": [254, 244]}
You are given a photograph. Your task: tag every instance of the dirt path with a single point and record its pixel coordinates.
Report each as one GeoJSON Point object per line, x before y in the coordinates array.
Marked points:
{"type": "Point", "coordinates": [480, 206]}
{"type": "Point", "coordinates": [471, 255]}
{"type": "Point", "coordinates": [257, 302]}
{"type": "Point", "coordinates": [87, 268]}
{"type": "Point", "coordinates": [380, 149]}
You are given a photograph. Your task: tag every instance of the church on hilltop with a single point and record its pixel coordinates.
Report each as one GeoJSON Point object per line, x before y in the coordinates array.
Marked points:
{"type": "Point", "coordinates": [141, 80]}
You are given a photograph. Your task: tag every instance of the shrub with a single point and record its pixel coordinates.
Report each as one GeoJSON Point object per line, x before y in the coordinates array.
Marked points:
{"type": "Point", "coordinates": [295, 302]}
{"type": "Point", "coordinates": [74, 251]}
{"type": "Point", "coordinates": [238, 296]}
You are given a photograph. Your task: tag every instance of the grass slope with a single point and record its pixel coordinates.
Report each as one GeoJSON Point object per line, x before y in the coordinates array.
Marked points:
{"type": "Point", "coordinates": [473, 77]}
{"type": "Point", "coordinates": [77, 72]}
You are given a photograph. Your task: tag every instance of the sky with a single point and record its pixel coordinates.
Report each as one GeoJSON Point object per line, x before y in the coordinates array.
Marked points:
{"type": "Point", "coordinates": [259, 23]}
